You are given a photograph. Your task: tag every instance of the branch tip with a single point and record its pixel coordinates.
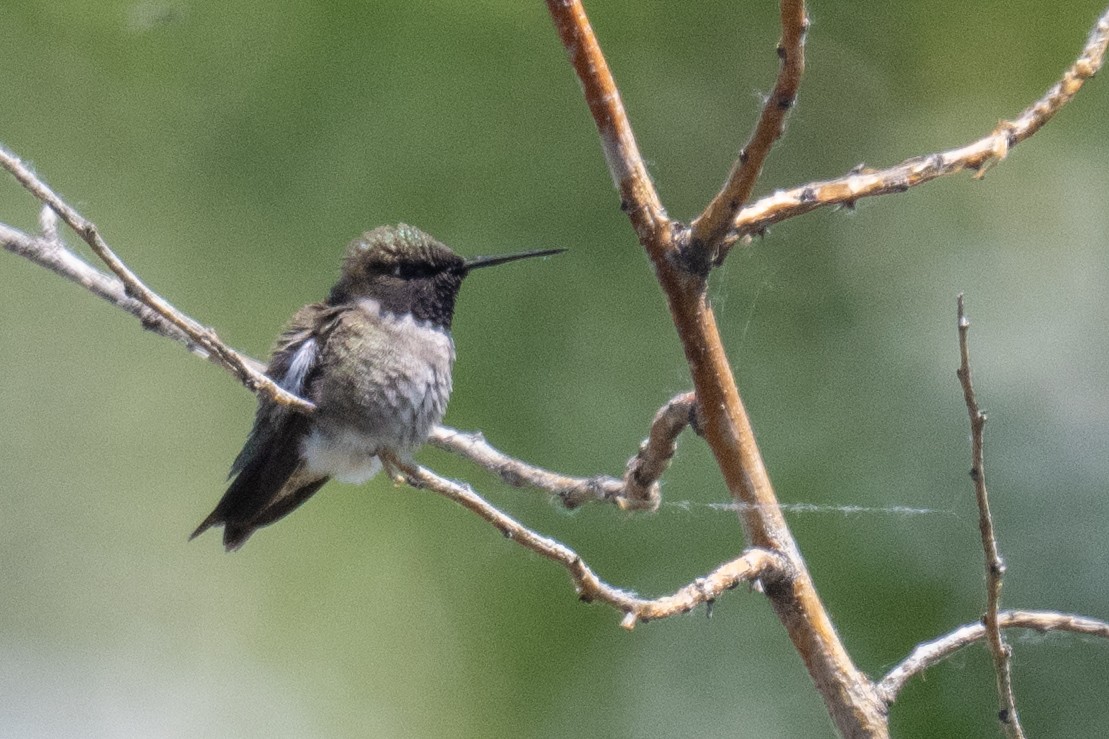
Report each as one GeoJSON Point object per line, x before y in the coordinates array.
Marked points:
{"type": "Point", "coordinates": [994, 565]}
{"type": "Point", "coordinates": [711, 228]}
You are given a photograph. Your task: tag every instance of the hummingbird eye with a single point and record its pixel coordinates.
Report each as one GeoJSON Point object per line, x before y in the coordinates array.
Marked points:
{"type": "Point", "coordinates": [411, 270]}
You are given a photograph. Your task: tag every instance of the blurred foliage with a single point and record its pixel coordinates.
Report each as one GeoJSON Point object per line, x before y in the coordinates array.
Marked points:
{"type": "Point", "coordinates": [229, 150]}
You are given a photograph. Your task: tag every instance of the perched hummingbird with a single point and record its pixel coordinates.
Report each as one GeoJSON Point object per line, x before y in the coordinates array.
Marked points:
{"type": "Point", "coordinates": [375, 358]}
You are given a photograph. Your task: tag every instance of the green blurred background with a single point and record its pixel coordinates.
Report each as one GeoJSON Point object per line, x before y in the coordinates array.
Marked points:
{"type": "Point", "coordinates": [228, 151]}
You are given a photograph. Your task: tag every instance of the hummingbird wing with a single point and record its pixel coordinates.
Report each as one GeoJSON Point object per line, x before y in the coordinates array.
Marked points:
{"type": "Point", "coordinates": [270, 479]}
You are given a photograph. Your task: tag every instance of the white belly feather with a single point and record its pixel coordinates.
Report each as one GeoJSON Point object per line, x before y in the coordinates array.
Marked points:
{"type": "Point", "coordinates": [389, 397]}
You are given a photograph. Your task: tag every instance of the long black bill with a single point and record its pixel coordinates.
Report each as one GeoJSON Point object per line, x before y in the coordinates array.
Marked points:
{"type": "Point", "coordinates": [478, 262]}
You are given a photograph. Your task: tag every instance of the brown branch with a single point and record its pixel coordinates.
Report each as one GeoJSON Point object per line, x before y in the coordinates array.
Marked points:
{"type": "Point", "coordinates": [638, 490]}
{"type": "Point", "coordinates": [713, 225]}
{"type": "Point", "coordinates": [847, 692]}
{"type": "Point", "coordinates": [856, 705]}
{"type": "Point", "coordinates": [753, 565]}
{"type": "Point", "coordinates": [931, 653]}
{"type": "Point", "coordinates": [205, 338]}
{"type": "Point", "coordinates": [977, 156]}
{"type": "Point", "coordinates": [638, 197]}
{"type": "Point", "coordinates": [995, 567]}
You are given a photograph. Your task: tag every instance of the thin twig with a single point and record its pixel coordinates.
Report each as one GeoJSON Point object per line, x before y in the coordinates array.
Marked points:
{"type": "Point", "coordinates": [995, 566]}
{"type": "Point", "coordinates": [205, 338]}
{"type": "Point", "coordinates": [863, 182]}
{"type": "Point", "coordinates": [571, 491]}
{"type": "Point", "coordinates": [638, 197]}
{"type": "Point", "coordinates": [638, 490]}
{"type": "Point", "coordinates": [929, 654]}
{"type": "Point", "coordinates": [710, 228]}
{"type": "Point", "coordinates": [646, 468]}
{"type": "Point", "coordinates": [48, 251]}
{"type": "Point", "coordinates": [754, 564]}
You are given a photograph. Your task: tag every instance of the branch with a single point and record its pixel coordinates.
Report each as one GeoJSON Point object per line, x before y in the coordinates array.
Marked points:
{"type": "Point", "coordinates": [638, 197]}
{"type": "Point", "coordinates": [713, 225]}
{"type": "Point", "coordinates": [753, 565]}
{"type": "Point", "coordinates": [995, 567]}
{"type": "Point", "coordinates": [863, 182]}
{"type": "Point", "coordinates": [638, 490]}
{"type": "Point", "coordinates": [47, 250]}
{"type": "Point", "coordinates": [646, 468]}
{"type": "Point", "coordinates": [847, 692]}
{"type": "Point", "coordinates": [131, 286]}
{"type": "Point", "coordinates": [572, 491]}
{"type": "Point", "coordinates": [931, 653]}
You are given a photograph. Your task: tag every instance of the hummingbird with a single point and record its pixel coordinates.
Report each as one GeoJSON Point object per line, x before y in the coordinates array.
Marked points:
{"type": "Point", "coordinates": [375, 358]}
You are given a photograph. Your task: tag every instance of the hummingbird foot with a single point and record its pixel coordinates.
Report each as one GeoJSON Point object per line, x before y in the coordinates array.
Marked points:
{"type": "Point", "coordinates": [393, 467]}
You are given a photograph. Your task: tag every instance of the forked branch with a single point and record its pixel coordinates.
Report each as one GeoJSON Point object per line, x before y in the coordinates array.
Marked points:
{"type": "Point", "coordinates": [857, 705]}
{"type": "Point", "coordinates": [133, 287]}
{"type": "Point", "coordinates": [639, 488]}
{"type": "Point", "coordinates": [932, 653]}
{"type": "Point", "coordinates": [711, 228]}
{"type": "Point", "coordinates": [752, 565]}
{"type": "Point", "coordinates": [978, 156]}
{"type": "Point", "coordinates": [726, 427]}
{"type": "Point", "coordinates": [849, 695]}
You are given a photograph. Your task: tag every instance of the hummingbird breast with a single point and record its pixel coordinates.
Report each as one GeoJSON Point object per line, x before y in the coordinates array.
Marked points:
{"type": "Point", "coordinates": [387, 383]}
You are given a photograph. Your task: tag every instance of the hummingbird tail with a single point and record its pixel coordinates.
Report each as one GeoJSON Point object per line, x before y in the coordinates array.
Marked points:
{"type": "Point", "coordinates": [235, 533]}
{"type": "Point", "coordinates": [206, 524]}
{"type": "Point", "coordinates": [269, 484]}
{"type": "Point", "coordinates": [238, 528]}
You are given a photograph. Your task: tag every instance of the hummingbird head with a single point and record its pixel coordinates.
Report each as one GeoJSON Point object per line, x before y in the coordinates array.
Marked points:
{"type": "Point", "coordinates": [408, 272]}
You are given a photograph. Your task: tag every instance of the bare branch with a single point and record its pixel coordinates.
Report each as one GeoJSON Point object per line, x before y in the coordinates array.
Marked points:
{"type": "Point", "coordinates": [639, 490]}
{"type": "Point", "coordinates": [711, 227]}
{"type": "Point", "coordinates": [847, 692]}
{"type": "Point", "coordinates": [638, 197]}
{"type": "Point", "coordinates": [205, 338]}
{"type": "Point", "coordinates": [49, 252]}
{"type": "Point", "coordinates": [995, 567]}
{"type": "Point", "coordinates": [856, 705]}
{"type": "Point", "coordinates": [978, 156]}
{"type": "Point", "coordinates": [931, 653]}
{"type": "Point", "coordinates": [646, 468]}
{"type": "Point", "coordinates": [754, 564]}
{"type": "Point", "coordinates": [572, 491]}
